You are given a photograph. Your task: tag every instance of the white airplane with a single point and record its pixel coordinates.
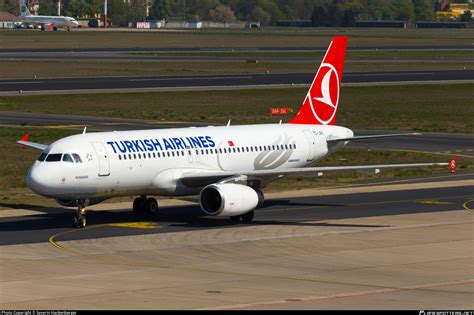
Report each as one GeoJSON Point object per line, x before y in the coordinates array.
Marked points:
{"type": "Point", "coordinates": [46, 22]}
{"type": "Point", "coordinates": [226, 165]}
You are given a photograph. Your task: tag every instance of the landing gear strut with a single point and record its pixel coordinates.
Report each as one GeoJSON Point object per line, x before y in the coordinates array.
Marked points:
{"type": "Point", "coordinates": [143, 205]}
{"type": "Point", "coordinates": [79, 221]}
{"type": "Point", "coordinates": [247, 217]}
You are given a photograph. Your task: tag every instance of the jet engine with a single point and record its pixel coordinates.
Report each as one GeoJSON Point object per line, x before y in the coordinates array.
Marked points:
{"type": "Point", "coordinates": [229, 199]}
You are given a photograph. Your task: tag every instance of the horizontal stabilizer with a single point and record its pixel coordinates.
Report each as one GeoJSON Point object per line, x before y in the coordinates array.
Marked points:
{"type": "Point", "coordinates": [359, 138]}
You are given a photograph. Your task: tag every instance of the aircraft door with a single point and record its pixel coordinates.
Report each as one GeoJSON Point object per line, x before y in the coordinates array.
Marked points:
{"type": "Point", "coordinates": [311, 144]}
{"type": "Point", "coordinates": [104, 162]}
{"type": "Point", "coordinates": [193, 155]}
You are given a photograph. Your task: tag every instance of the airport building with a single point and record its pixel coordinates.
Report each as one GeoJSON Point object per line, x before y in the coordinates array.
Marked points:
{"type": "Point", "coordinates": [8, 20]}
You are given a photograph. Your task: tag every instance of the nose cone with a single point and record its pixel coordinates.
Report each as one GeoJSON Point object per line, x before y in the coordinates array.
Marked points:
{"type": "Point", "coordinates": [38, 181]}
{"type": "Point", "coordinates": [75, 23]}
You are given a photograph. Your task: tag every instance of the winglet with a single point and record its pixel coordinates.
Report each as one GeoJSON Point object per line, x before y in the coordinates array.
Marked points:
{"type": "Point", "coordinates": [25, 137]}
{"type": "Point", "coordinates": [452, 164]}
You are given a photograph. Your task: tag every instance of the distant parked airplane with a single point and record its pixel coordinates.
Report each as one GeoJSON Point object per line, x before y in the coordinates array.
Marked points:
{"type": "Point", "coordinates": [49, 22]}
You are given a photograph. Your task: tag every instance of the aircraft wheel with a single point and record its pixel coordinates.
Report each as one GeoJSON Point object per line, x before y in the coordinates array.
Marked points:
{"type": "Point", "coordinates": [248, 217]}
{"type": "Point", "coordinates": [79, 222]}
{"type": "Point", "coordinates": [151, 206]}
{"type": "Point", "coordinates": [139, 206]}
{"type": "Point", "coordinates": [261, 198]}
{"type": "Point", "coordinates": [235, 218]}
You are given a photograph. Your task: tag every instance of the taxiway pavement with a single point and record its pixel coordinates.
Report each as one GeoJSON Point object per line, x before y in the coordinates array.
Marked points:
{"type": "Point", "coordinates": [402, 246]}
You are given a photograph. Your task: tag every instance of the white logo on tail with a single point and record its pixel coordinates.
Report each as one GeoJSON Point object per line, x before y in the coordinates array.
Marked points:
{"type": "Point", "coordinates": [324, 104]}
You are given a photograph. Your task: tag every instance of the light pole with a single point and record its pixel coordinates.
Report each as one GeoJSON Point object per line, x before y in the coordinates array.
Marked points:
{"type": "Point", "coordinates": [59, 7]}
{"type": "Point", "coordinates": [105, 14]}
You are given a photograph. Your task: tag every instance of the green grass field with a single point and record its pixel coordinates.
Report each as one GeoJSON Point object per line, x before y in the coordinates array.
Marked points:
{"type": "Point", "coordinates": [266, 37]}
{"type": "Point", "coordinates": [436, 108]}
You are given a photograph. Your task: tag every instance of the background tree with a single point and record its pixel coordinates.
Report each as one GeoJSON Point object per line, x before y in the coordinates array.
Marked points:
{"type": "Point", "coordinates": [200, 9]}
{"type": "Point", "coordinates": [259, 15]}
{"type": "Point", "coordinates": [222, 13]}
{"type": "Point", "coordinates": [406, 11]}
{"type": "Point", "coordinates": [423, 10]}
{"type": "Point", "coordinates": [137, 11]}
{"type": "Point", "coordinates": [161, 9]}
{"type": "Point", "coordinates": [95, 8]}
{"type": "Point", "coordinates": [117, 12]}
{"type": "Point", "coordinates": [47, 7]}
{"type": "Point", "coordinates": [77, 8]}
{"type": "Point", "coordinates": [12, 6]}
{"type": "Point", "coordinates": [320, 16]}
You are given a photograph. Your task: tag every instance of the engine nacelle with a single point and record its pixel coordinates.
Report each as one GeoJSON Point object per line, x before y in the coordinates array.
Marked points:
{"type": "Point", "coordinates": [73, 202]}
{"type": "Point", "coordinates": [229, 199]}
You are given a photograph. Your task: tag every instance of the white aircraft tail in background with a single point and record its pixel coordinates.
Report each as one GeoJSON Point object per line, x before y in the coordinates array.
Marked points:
{"type": "Point", "coordinates": [227, 166]}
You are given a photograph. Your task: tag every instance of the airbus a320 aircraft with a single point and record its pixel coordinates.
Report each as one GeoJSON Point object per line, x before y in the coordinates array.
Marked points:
{"type": "Point", "coordinates": [226, 165]}
{"type": "Point", "coordinates": [46, 22]}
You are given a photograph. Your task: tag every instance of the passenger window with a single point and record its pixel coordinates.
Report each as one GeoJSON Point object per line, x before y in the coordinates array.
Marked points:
{"type": "Point", "coordinates": [67, 158]}
{"type": "Point", "coordinates": [42, 157]}
{"type": "Point", "coordinates": [77, 158]}
{"type": "Point", "coordinates": [124, 156]}
{"type": "Point", "coordinates": [54, 157]}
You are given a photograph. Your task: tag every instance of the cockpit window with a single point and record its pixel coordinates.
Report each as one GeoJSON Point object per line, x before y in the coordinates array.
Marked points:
{"type": "Point", "coordinates": [77, 158]}
{"type": "Point", "coordinates": [67, 158]}
{"type": "Point", "coordinates": [42, 157]}
{"type": "Point", "coordinates": [54, 157]}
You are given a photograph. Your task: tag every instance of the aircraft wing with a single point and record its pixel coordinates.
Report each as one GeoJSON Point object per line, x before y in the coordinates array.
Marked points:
{"type": "Point", "coordinates": [196, 179]}
{"type": "Point", "coordinates": [373, 137]}
{"type": "Point", "coordinates": [34, 145]}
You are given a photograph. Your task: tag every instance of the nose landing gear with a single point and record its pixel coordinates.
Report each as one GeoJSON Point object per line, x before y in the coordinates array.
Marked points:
{"type": "Point", "coordinates": [79, 221]}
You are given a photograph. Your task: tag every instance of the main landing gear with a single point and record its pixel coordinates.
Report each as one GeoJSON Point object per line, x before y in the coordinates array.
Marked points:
{"type": "Point", "coordinates": [143, 205]}
{"type": "Point", "coordinates": [247, 217]}
{"type": "Point", "coordinates": [79, 221]}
